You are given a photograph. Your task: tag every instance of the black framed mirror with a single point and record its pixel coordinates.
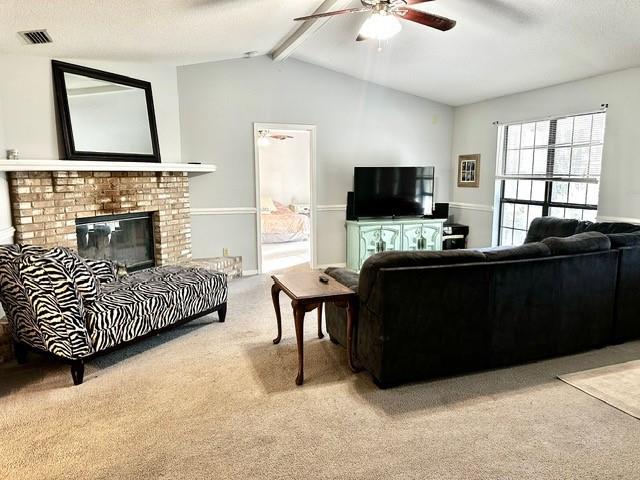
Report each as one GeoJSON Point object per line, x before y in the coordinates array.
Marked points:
{"type": "Point", "coordinates": [104, 116]}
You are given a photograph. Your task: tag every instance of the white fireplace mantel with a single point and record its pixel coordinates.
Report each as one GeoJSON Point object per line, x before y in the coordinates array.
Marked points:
{"type": "Point", "coordinates": [92, 166]}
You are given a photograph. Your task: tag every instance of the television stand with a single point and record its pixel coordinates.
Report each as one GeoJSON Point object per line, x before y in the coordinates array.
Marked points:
{"type": "Point", "coordinates": [367, 237]}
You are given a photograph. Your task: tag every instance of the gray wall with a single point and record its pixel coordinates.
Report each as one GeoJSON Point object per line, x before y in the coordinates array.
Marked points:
{"type": "Point", "coordinates": [27, 112]}
{"type": "Point", "coordinates": [26, 94]}
{"type": "Point", "coordinates": [5, 211]}
{"type": "Point", "coordinates": [620, 181]}
{"type": "Point", "coordinates": [358, 123]}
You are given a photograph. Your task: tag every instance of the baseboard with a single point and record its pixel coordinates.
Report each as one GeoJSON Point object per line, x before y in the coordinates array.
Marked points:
{"type": "Point", "coordinates": [249, 273]}
{"type": "Point", "coordinates": [339, 265]}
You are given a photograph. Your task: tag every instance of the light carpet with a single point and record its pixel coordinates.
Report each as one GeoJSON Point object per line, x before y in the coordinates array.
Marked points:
{"type": "Point", "coordinates": [616, 385]}
{"type": "Point", "coordinates": [218, 401]}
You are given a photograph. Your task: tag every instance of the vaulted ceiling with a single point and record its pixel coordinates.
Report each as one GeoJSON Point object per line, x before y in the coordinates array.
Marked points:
{"type": "Point", "coordinates": [498, 46]}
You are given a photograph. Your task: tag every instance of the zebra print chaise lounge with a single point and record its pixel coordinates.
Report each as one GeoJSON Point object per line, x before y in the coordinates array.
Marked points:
{"type": "Point", "coordinates": [74, 308]}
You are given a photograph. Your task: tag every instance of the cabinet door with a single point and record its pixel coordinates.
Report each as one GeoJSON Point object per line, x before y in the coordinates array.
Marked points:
{"type": "Point", "coordinates": [378, 238]}
{"type": "Point", "coordinates": [420, 237]}
{"type": "Point", "coordinates": [433, 236]}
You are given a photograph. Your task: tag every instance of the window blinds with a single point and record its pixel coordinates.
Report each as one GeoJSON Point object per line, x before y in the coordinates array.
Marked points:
{"type": "Point", "coordinates": [563, 148]}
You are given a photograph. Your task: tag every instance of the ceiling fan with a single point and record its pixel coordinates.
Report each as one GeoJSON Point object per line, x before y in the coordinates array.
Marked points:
{"type": "Point", "coordinates": [383, 22]}
{"type": "Point", "coordinates": [265, 135]}
{"type": "Point", "coordinates": [276, 136]}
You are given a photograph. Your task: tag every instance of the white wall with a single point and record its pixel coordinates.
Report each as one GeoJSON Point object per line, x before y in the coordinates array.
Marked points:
{"type": "Point", "coordinates": [620, 181]}
{"type": "Point", "coordinates": [358, 123]}
{"type": "Point", "coordinates": [284, 169]}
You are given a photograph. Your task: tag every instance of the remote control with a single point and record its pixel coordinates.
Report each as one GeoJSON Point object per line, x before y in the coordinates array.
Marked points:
{"type": "Point", "coordinates": [323, 279]}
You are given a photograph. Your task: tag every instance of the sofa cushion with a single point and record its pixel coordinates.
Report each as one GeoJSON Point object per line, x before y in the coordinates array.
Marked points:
{"type": "Point", "coordinates": [522, 252]}
{"type": "Point", "coordinates": [370, 268]}
{"type": "Point", "coordinates": [86, 281]}
{"type": "Point", "coordinates": [608, 227]}
{"type": "Point", "coordinates": [545, 227]}
{"type": "Point", "coordinates": [620, 240]}
{"type": "Point", "coordinates": [105, 271]}
{"type": "Point", "coordinates": [581, 243]}
{"type": "Point", "coordinates": [150, 300]}
{"type": "Point", "coordinates": [346, 277]}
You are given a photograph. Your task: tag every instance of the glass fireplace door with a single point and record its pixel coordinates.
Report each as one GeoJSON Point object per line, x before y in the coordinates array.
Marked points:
{"type": "Point", "coordinates": [126, 239]}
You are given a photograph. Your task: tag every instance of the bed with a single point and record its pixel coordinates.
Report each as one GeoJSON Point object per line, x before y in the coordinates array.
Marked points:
{"type": "Point", "coordinates": [281, 224]}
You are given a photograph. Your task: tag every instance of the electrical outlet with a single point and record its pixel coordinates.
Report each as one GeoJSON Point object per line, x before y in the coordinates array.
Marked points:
{"type": "Point", "coordinates": [225, 252]}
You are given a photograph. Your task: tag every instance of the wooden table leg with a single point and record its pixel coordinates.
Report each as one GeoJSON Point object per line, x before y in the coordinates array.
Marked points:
{"type": "Point", "coordinates": [352, 319]}
{"type": "Point", "coordinates": [298, 317]}
{"type": "Point", "coordinates": [275, 296]}
{"type": "Point", "coordinates": [320, 334]}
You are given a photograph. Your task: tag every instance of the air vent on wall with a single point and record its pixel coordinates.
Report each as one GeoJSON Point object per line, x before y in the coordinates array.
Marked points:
{"type": "Point", "coordinates": [36, 37]}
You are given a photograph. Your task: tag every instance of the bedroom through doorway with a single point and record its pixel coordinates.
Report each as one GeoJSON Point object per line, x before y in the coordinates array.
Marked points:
{"type": "Point", "coordinates": [285, 196]}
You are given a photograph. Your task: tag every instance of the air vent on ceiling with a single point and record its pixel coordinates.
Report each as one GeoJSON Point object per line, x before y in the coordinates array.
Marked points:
{"type": "Point", "coordinates": [36, 37]}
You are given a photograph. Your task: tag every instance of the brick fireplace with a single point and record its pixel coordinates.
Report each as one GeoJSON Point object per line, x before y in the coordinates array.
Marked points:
{"type": "Point", "coordinates": [46, 205]}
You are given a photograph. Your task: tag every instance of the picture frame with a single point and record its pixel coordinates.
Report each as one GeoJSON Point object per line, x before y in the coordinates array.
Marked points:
{"type": "Point", "coordinates": [469, 171]}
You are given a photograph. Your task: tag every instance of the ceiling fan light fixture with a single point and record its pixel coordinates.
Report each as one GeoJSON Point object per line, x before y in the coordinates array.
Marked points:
{"type": "Point", "coordinates": [380, 26]}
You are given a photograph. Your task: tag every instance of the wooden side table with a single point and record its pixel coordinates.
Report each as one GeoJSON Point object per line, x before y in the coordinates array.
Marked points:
{"type": "Point", "coordinates": [307, 293]}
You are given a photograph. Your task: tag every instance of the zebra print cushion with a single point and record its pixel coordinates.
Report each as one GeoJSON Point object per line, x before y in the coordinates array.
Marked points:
{"type": "Point", "coordinates": [86, 282]}
{"type": "Point", "coordinates": [56, 303]}
{"type": "Point", "coordinates": [105, 270]}
{"type": "Point", "coordinates": [151, 299]}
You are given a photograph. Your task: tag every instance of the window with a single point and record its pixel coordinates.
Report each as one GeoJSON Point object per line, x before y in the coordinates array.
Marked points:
{"type": "Point", "coordinates": [548, 168]}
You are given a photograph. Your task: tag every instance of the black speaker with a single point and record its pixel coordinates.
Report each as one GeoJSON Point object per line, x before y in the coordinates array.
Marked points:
{"type": "Point", "coordinates": [351, 207]}
{"type": "Point", "coordinates": [441, 210]}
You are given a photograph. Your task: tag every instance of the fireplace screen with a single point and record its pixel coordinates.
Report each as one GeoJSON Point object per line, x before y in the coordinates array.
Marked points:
{"type": "Point", "coordinates": [127, 239]}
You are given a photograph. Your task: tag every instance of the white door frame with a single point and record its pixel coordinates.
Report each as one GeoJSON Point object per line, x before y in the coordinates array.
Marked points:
{"type": "Point", "coordinates": [313, 253]}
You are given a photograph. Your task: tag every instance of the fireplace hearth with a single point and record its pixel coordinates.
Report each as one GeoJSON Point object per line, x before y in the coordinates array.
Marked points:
{"type": "Point", "coordinates": [126, 239]}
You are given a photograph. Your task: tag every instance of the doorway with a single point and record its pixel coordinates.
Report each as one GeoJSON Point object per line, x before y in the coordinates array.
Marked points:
{"type": "Point", "coordinates": [285, 197]}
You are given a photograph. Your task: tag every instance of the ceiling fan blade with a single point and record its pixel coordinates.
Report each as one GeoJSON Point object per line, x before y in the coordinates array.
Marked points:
{"type": "Point", "coordinates": [331, 14]}
{"type": "Point", "coordinates": [278, 136]}
{"type": "Point", "coordinates": [428, 19]}
{"type": "Point", "coordinates": [360, 38]}
{"type": "Point", "coordinates": [416, 2]}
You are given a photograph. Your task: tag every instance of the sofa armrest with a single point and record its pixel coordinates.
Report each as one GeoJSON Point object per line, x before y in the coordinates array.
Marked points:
{"type": "Point", "coordinates": [58, 313]}
{"type": "Point", "coordinates": [346, 277]}
{"type": "Point", "coordinates": [336, 317]}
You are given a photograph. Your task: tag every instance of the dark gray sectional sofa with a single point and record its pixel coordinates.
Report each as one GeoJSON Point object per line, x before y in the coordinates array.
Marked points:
{"type": "Point", "coordinates": [73, 308]}
{"type": "Point", "coordinates": [573, 286]}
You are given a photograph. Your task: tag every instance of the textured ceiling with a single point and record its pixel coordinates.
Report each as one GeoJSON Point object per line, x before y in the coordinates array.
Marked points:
{"type": "Point", "coordinates": [170, 31]}
{"type": "Point", "coordinates": [498, 47]}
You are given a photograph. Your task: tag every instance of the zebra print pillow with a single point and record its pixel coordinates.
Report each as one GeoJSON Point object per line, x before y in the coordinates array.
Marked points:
{"type": "Point", "coordinates": [86, 282]}
{"type": "Point", "coordinates": [105, 270]}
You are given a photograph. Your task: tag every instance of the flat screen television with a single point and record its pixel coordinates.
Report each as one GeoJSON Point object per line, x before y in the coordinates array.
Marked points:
{"type": "Point", "coordinates": [393, 191]}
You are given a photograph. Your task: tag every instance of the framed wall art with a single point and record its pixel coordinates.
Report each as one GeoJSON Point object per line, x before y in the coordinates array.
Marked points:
{"type": "Point", "coordinates": [469, 170]}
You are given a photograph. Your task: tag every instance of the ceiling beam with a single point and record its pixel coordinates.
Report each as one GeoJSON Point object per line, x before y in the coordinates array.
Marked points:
{"type": "Point", "coordinates": [306, 30]}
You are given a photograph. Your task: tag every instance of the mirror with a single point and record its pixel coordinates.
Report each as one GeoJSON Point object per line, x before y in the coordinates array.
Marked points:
{"type": "Point", "coordinates": [104, 116]}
